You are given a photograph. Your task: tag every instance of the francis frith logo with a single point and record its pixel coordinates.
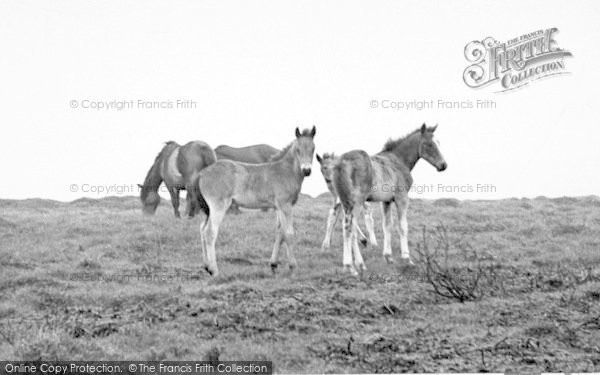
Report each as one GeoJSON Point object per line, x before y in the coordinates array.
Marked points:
{"type": "Point", "coordinates": [514, 63]}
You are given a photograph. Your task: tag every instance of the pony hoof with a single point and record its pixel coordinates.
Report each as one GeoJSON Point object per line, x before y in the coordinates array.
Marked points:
{"type": "Point", "coordinates": [389, 259]}
{"type": "Point", "coordinates": [374, 243]}
{"type": "Point", "coordinates": [361, 269]}
{"type": "Point", "coordinates": [210, 271]}
{"type": "Point", "coordinates": [362, 272]}
{"type": "Point", "coordinates": [325, 247]}
{"type": "Point", "coordinates": [293, 265]}
{"type": "Point", "coordinates": [408, 261]}
{"type": "Point", "coordinates": [273, 267]}
{"type": "Point", "coordinates": [363, 242]}
{"type": "Point", "coordinates": [350, 269]}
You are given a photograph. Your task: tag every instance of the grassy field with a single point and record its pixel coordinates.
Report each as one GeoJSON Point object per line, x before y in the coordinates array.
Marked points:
{"type": "Point", "coordinates": [81, 281]}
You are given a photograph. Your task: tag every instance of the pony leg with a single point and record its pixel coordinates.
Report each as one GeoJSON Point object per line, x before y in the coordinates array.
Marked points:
{"type": "Point", "coordinates": [370, 224]}
{"type": "Point", "coordinates": [402, 208]}
{"type": "Point", "coordinates": [358, 259]}
{"type": "Point", "coordinates": [212, 231]}
{"type": "Point", "coordinates": [203, 228]}
{"type": "Point", "coordinates": [387, 229]}
{"type": "Point", "coordinates": [188, 205]}
{"type": "Point", "coordinates": [359, 233]}
{"type": "Point", "coordinates": [349, 232]}
{"type": "Point", "coordinates": [334, 214]}
{"type": "Point", "coordinates": [174, 192]}
{"type": "Point", "coordinates": [278, 241]}
{"type": "Point", "coordinates": [192, 201]}
{"type": "Point", "coordinates": [287, 226]}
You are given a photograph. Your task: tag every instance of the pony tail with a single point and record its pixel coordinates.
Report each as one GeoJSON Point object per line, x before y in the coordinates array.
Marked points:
{"type": "Point", "coordinates": [200, 201]}
{"type": "Point", "coordinates": [202, 204]}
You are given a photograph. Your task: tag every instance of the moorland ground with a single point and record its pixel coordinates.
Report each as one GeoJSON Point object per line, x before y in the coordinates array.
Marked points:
{"type": "Point", "coordinates": [95, 279]}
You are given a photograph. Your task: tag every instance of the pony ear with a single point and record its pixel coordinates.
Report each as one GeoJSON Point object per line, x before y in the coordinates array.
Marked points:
{"type": "Point", "coordinates": [319, 159]}
{"type": "Point", "coordinates": [140, 186]}
{"type": "Point", "coordinates": [423, 128]}
{"type": "Point", "coordinates": [297, 132]}
{"type": "Point", "coordinates": [313, 131]}
{"type": "Point", "coordinates": [433, 129]}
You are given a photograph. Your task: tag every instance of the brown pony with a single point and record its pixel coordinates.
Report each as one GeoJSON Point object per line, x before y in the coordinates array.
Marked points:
{"type": "Point", "coordinates": [275, 184]}
{"type": "Point", "coordinates": [254, 154]}
{"type": "Point", "coordinates": [384, 177]}
{"type": "Point", "coordinates": [176, 166]}
{"type": "Point", "coordinates": [328, 162]}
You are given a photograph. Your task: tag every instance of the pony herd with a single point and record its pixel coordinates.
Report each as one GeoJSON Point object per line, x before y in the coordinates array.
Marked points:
{"type": "Point", "coordinates": [263, 177]}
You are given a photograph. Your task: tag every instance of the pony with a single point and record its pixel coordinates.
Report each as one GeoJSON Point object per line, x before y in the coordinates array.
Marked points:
{"type": "Point", "coordinates": [275, 184]}
{"type": "Point", "coordinates": [176, 166]}
{"type": "Point", "coordinates": [254, 154]}
{"type": "Point", "coordinates": [327, 162]}
{"type": "Point", "coordinates": [384, 177]}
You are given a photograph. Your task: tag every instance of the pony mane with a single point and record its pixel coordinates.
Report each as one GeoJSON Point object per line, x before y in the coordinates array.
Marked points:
{"type": "Point", "coordinates": [391, 144]}
{"type": "Point", "coordinates": [283, 152]}
{"type": "Point", "coordinates": [167, 144]}
{"type": "Point", "coordinates": [151, 175]}
{"type": "Point", "coordinates": [278, 156]}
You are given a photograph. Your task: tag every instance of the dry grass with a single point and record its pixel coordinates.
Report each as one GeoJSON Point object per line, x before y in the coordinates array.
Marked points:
{"type": "Point", "coordinates": [537, 308]}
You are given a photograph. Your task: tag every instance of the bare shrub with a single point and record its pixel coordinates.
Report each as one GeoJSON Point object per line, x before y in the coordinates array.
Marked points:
{"type": "Point", "coordinates": [451, 281]}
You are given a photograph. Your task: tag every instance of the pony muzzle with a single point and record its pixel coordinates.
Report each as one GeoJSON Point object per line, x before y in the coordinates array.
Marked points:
{"type": "Point", "coordinates": [442, 166]}
{"type": "Point", "coordinates": [149, 210]}
{"type": "Point", "coordinates": [306, 169]}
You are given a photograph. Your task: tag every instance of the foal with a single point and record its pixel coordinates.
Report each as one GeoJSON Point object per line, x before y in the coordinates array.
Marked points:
{"type": "Point", "coordinates": [384, 177]}
{"type": "Point", "coordinates": [327, 162]}
{"type": "Point", "coordinates": [275, 184]}
{"type": "Point", "coordinates": [254, 154]}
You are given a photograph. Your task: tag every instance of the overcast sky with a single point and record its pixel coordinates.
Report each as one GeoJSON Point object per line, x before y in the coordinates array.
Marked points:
{"type": "Point", "coordinates": [256, 70]}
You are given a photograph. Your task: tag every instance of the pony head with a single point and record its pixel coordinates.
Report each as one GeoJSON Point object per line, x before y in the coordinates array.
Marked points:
{"type": "Point", "coordinates": [150, 199]}
{"type": "Point", "coordinates": [304, 149]}
{"type": "Point", "coordinates": [429, 148]}
{"type": "Point", "coordinates": [327, 163]}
